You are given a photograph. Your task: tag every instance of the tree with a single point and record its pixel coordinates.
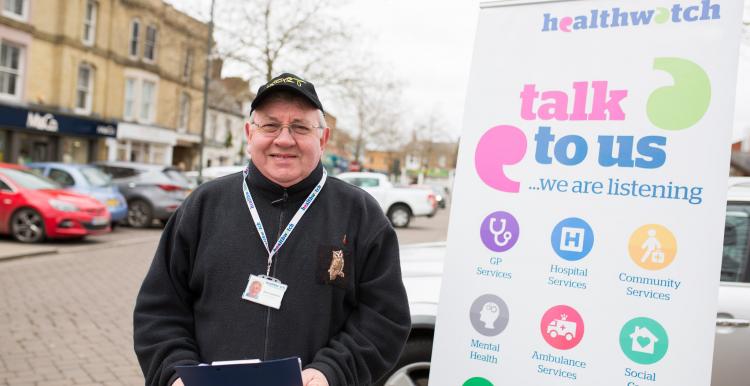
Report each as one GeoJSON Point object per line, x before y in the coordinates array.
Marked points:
{"type": "Point", "coordinates": [268, 37]}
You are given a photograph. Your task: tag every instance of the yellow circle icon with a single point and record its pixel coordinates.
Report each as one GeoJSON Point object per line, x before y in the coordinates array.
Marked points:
{"type": "Point", "coordinates": [652, 247]}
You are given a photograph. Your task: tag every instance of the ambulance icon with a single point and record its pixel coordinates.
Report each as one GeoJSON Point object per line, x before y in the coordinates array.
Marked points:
{"type": "Point", "coordinates": [562, 328]}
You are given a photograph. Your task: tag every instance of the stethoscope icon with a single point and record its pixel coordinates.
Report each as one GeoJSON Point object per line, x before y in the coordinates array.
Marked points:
{"type": "Point", "coordinates": [501, 232]}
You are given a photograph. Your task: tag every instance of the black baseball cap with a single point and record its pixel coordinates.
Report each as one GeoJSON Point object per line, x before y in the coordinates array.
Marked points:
{"type": "Point", "coordinates": [287, 81]}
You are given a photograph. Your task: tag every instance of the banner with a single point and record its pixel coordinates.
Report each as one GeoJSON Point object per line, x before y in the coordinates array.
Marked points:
{"type": "Point", "coordinates": [586, 232]}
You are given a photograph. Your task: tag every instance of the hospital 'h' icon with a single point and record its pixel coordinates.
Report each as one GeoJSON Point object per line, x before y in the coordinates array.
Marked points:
{"type": "Point", "coordinates": [572, 239]}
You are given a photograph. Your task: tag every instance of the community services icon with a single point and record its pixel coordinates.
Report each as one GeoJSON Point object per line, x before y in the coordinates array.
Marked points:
{"type": "Point", "coordinates": [652, 247]}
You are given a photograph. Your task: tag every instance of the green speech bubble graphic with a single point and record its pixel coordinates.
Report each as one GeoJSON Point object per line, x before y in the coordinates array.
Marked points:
{"type": "Point", "coordinates": [684, 103]}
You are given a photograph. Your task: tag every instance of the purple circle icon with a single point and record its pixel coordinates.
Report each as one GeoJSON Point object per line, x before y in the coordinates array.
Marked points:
{"type": "Point", "coordinates": [499, 231]}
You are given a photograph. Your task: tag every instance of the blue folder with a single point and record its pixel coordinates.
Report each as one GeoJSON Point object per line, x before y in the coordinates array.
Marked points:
{"type": "Point", "coordinates": [279, 372]}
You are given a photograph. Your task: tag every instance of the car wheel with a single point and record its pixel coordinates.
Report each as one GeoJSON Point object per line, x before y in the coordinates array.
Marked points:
{"type": "Point", "coordinates": [413, 367]}
{"type": "Point", "coordinates": [400, 216]}
{"type": "Point", "coordinates": [140, 214]}
{"type": "Point", "coordinates": [553, 334]}
{"type": "Point", "coordinates": [27, 226]}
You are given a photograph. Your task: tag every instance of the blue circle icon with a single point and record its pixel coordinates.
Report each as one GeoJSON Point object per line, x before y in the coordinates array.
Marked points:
{"type": "Point", "coordinates": [572, 239]}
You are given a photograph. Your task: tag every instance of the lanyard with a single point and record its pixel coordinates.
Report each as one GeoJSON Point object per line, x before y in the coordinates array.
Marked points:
{"type": "Point", "coordinates": [292, 224]}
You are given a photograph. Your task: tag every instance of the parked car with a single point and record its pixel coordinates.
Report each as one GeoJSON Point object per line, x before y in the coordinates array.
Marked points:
{"type": "Point", "coordinates": [440, 192]}
{"type": "Point", "coordinates": [399, 204]}
{"type": "Point", "coordinates": [213, 172]}
{"type": "Point", "coordinates": [422, 269]}
{"type": "Point", "coordinates": [153, 192]}
{"type": "Point", "coordinates": [87, 180]}
{"type": "Point", "coordinates": [33, 208]}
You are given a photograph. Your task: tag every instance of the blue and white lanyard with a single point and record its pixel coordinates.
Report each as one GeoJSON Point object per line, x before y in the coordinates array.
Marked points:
{"type": "Point", "coordinates": [292, 224]}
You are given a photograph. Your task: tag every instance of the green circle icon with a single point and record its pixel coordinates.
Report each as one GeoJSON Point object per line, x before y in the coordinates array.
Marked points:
{"type": "Point", "coordinates": [644, 341]}
{"type": "Point", "coordinates": [477, 381]}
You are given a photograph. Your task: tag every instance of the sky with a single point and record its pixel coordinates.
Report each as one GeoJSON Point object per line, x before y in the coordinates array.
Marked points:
{"type": "Point", "coordinates": [427, 45]}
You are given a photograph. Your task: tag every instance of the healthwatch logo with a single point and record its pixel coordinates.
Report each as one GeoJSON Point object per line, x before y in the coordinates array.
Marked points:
{"type": "Point", "coordinates": [617, 17]}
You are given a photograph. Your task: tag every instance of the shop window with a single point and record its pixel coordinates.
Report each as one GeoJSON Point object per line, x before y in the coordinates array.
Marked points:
{"type": "Point", "coordinates": [84, 88]}
{"type": "Point", "coordinates": [89, 23]}
{"type": "Point", "coordinates": [16, 9]}
{"type": "Point", "coordinates": [11, 68]}
{"type": "Point", "coordinates": [184, 118]}
{"type": "Point", "coordinates": [61, 177]}
{"type": "Point", "coordinates": [75, 150]}
{"type": "Point", "coordinates": [135, 27]}
{"type": "Point", "coordinates": [149, 49]}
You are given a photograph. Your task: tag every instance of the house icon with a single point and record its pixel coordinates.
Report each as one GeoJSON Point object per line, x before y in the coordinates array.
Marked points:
{"type": "Point", "coordinates": [643, 340]}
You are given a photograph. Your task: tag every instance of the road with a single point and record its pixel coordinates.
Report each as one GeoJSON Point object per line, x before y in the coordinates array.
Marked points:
{"type": "Point", "coordinates": [66, 316]}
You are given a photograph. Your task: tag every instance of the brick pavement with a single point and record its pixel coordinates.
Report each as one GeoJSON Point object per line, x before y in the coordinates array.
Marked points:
{"type": "Point", "coordinates": [66, 319]}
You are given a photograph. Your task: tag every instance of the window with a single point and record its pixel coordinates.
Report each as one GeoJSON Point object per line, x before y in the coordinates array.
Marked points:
{"type": "Point", "coordinates": [61, 177]}
{"type": "Point", "coordinates": [188, 68]}
{"type": "Point", "coordinates": [734, 264]}
{"type": "Point", "coordinates": [10, 70]}
{"type": "Point", "coordinates": [211, 126]}
{"type": "Point", "coordinates": [149, 49]}
{"type": "Point", "coordinates": [147, 100]}
{"type": "Point", "coordinates": [15, 9]}
{"type": "Point", "coordinates": [4, 186]}
{"type": "Point", "coordinates": [129, 98]}
{"type": "Point", "coordinates": [184, 118]}
{"type": "Point", "coordinates": [89, 23]}
{"type": "Point", "coordinates": [140, 96]}
{"type": "Point", "coordinates": [135, 28]}
{"type": "Point", "coordinates": [84, 88]}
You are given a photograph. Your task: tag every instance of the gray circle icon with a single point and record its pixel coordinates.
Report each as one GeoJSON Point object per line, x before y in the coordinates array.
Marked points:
{"type": "Point", "coordinates": [489, 315]}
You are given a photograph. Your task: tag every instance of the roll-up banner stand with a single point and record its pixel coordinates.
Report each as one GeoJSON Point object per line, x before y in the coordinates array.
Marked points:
{"type": "Point", "coordinates": [586, 232]}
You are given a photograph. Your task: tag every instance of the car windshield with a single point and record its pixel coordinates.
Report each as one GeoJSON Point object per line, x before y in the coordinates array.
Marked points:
{"type": "Point", "coordinates": [29, 180]}
{"type": "Point", "coordinates": [95, 177]}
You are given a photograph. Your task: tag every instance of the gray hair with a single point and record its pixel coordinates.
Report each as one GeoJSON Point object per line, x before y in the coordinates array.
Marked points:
{"type": "Point", "coordinates": [288, 96]}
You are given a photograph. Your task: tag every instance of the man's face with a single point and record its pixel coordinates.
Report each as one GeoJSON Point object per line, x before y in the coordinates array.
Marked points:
{"type": "Point", "coordinates": [254, 289]}
{"type": "Point", "coordinates": [288, 158]}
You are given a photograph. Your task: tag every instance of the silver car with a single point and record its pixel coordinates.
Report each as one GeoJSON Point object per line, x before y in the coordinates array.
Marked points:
{"type": "Point", "coordinates": [153, 192]}
{"type": "Point", "coordinates": [422, 268]}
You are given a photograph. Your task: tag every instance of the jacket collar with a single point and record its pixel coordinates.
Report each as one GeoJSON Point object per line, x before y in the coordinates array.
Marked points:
{"type": "Point", "coordinates": [260, 184]}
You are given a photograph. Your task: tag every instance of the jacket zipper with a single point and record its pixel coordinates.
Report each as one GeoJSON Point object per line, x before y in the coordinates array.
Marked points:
{"type": "Point", "coordinates": [273, 273]}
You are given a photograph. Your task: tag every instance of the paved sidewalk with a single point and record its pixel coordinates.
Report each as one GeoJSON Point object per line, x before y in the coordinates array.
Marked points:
{"type": "Point", "coordinates": [66, 318]}
{"type": "Point", "coordinates": [11, 249]}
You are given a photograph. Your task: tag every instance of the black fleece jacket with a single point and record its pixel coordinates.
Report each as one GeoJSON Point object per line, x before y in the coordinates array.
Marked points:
{"type": "Point", "coordinates": [189, 309]}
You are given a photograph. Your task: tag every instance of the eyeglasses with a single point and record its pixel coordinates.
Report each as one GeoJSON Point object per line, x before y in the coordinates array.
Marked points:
{"type": "Point", "coordinates": [295, 129]}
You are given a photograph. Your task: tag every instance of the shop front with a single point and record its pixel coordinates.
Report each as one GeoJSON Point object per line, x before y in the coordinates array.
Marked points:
{"type": "Point", "coordinates": [31, 135]}
{"type": "Point", "coordinates": [142, 143]}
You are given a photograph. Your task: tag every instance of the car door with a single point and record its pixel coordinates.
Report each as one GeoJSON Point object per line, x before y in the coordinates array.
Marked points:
{"type": "Point", "coordinates": [731, 352]}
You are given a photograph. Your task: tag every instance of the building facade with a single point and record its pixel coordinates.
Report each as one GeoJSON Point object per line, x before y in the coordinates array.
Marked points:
{"type": "Point", "coordinates": [87, 80]}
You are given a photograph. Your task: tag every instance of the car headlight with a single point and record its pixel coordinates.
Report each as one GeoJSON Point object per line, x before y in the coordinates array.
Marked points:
{"type": "Point", "coordinates": [63, 206]}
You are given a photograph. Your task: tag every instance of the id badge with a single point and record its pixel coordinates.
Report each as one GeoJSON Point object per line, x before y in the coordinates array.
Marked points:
{"type": "Point", "coordinates": [264, 290]}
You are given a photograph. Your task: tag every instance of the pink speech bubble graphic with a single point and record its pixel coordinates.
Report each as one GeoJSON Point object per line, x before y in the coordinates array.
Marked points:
{"type": "Point", "coordinates": [500, 146]}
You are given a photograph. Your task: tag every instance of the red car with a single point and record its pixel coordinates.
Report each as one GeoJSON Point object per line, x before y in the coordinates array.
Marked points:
{"type": "Point", "coordinates": [33, 208]}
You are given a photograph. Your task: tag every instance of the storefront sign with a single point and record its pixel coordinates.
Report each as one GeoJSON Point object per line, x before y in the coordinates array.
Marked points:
{"type": "Point", "coordinates": [27, 119]}
{"type": "Point", "coordinates": [585, 239]}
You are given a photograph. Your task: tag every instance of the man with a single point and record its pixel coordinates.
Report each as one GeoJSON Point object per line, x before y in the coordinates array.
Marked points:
{"type": "Point", "coordinates": [333, 293]}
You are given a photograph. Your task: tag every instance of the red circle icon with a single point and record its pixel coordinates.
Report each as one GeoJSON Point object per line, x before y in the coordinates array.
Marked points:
{"type": "Point", "coordinates": [562, 327]}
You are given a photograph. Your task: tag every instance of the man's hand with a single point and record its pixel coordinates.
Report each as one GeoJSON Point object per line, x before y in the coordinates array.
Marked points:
{"type": "Point", "coordinates": [312, 377]}
{"type": "Point", "coordinates": [178, 382]}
